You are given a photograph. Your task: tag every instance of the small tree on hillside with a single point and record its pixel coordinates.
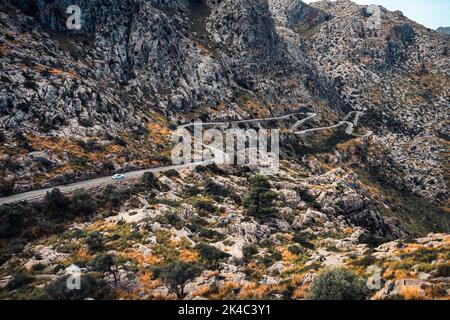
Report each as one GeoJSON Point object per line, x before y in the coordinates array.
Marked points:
{"type": "Point", "coordinates": [57, 203]}
{"type": "Point", "coordinates": [259, 202]}
{"type": "Point", "coordinates": [149, 180]}
{"type": "Point", "coordinates": [83, 203]}
{"type": "Point", "coordinates": [105, 263]}
{"type": "Point", "coordinates": [338, 284]}
{"type": "Point", "coordinates": [176, 274]}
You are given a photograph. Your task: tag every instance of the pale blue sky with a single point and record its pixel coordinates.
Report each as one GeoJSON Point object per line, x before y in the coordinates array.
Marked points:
{"type": "Point", "coordinates": [430, 13]}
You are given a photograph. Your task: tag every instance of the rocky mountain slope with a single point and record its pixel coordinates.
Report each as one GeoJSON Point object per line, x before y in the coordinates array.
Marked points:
{"type": "Point", "coordinates": [76, 104]}
{"type": "Point", "coordinates": [127, 241]}
{"type": "Point", "coordinates": [119, 83]}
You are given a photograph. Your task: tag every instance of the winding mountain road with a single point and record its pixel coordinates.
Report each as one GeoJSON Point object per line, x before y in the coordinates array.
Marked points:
{"type": "Point", "coordinates": [98, 182]}
{"type": "Point", "coordinates": [94, 183]}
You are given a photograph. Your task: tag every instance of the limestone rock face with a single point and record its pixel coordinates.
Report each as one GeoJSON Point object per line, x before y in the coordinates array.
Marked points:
{"type": "Point", "coordinates": [79, 104]}
{"type": "Point", "coordinates": [136, 59]}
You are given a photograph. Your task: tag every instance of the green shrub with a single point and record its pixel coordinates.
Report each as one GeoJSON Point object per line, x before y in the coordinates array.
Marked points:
{"type": "Point", "coordinates": [172, 174]}
{"type": "Point", "coordinates": [365, 261]}
{"type": "Point", "coordinates": [103, 263]}
{"type": "Point", "coordinates": [113, 196]}
{"type": "Point", "coordinates": [17, 245]}
{"type": "Point", "coordinates": [249, 250]}
{"type": "Point", "coordinates": [443, 270]}
{"type": "Point", "coordinates": [5, 255]}
{"type": "Point", "coordinates": [423, 255]}
{"type": "Point", "coordinates": [149, 180]}
{"type": "Point", "coordinates": [211, 234]}
{"type": "Point", "coordinates": [175, 274]}
{"type": "Point", "coordinates": [6, 188]}
{"type": "Point", "coordinates": [259, 202]}
{"type": "Point", "coordinates": [303, 240]}
{"type": "Point", "coordinates": [216, 189]}
{"type": "Point", "coordinates": [192, 191]}
{"type": "Point", "coordinates": [90, 287]}
{"type": "Point", "coordinates": [163, 159]}
{"type": "Point", "coordinates": [212, 168]}
{"type": "Point", "coordinates": [92, 146]}
{"type": "Point", "coordinates": [295, 249]}
{"type": "Point", "coordinates": [12, 220]}
{"type": "Point", "coordinates": [210, 253]}
{"type": "Point", "coordinates": [196, 224]}
{"type": "Point", "coordinates": [19, 280]}
{"type": "Point", "coordinates": [56, 203]}
{"type": "Point", "coordinates": [338, 284]}
{"type": "Point", "coordinates": [94, 241]}
{"type": "Point", "coordinates": [205, 206]}
{"type": "Point", "coordinates": [371, 240]}
{"type": "Point", "coordinates": [44, 226]}
{"type": "Point", "coordinates": [277, 256]}
{"type": "Point", "coordinates": [79, 161]}
{"type": "Point", "coordinates": [83, 203]}
{"type": "Point", "coordinates": [305, 196]}
{"type": "Point", "coordinates": [172, 218]}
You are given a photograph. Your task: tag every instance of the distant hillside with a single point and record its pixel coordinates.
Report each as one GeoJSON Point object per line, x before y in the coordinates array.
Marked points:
{"type": "Point", "coordinates": [443, 30]}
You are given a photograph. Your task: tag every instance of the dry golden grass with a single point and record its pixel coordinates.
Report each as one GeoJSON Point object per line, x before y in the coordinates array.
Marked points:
{"type": "Point", "coordinates": [56, 72]}
{"type": "Point", "coordinates": [62, 73]}
{"type": "Point", "coordinates": [411, 247]}
{"type": "Point", "coordinates": [127, 295]}
{"type": "Point", "coordinates": [255, 108]}
{"type": "Point", "coordinates": [411, 293]}
{"type": "Point", "coordinates": [83, 253]}
{"type": "Point", "coordinates": [296, 279]}
{"type": "Point", "coordinates": [201, 291]}
{"type": "Point", "coordinates": [147, 282]}
{"type": "Point", "coordinates": [202, 48]}
{"type": "Point", "coordinates": [254, 291]}
{"type": "Point", "coordinates": [56, 145]}
{"type": "Point", "coordinates": [395, 274]}
{"type": "Point", "coordinates": [327, 167]}
{"type": "Point", "coordinates": [141, 259]}
{"type": "Point", "coordinates": [189, 255]}
{"type": "Point", "coordinates": [226, 290]}
{"type": "Point", "coordinates": [300, 293]}
{"type": "Point", "coordinates": [288, 256]}
{"type": "Point", "coordinates": [348, 230]}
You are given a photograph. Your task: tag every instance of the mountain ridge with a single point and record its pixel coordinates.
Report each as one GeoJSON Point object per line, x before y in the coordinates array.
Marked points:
{"type": "Point", "coordinates": [81, 104]}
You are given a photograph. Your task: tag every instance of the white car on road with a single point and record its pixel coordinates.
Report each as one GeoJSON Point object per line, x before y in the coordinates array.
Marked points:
{"type": "Point", "coordinates": [118, 177]}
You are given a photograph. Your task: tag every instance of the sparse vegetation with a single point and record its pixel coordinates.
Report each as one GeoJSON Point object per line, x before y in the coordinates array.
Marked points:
{"type": "Point", "coordinates": [338, 284]}
{"type": "Point", "coordinates": [210, 253]}
{"type": "Point", "coordinates": [83, 203]}
{"type": "Point", "coordinates": [19, 280]}
{"type": "Point", "coordinates": [259, 202]}
{"type": "Point", "coordinates": [90, 287]}
{"type": "Point", "coordinates": [172, 174]}
{"type": "Point", "coordinates": [205, 206]}
{"type": "Point", "coordinates": [57, 204]}
{"type": "Point", "coordinates": [149, 180]}
{"type": "Point", "coordinates": [176, 274]}
{"type": "Point", "coordinates": [12, 220]}
{"type": "Point", "coordinates": [95, 241]}
{"type": "Point", "coordinates": [249, 250]}
{"type": "Point", "coordinates": [6, 188]}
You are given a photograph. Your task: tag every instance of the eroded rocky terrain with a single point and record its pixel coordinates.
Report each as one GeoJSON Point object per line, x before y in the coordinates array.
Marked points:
{"type": "Point", "coordinates": [197, 217]}
{"type": "Point", "coordinates": [103, 99]}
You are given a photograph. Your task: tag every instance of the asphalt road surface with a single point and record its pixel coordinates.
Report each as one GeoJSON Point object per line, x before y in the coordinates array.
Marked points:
{"type": "Point", "coordinates": [37, 194]}
{"type": "Point", "coordinates": [32, 195]}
